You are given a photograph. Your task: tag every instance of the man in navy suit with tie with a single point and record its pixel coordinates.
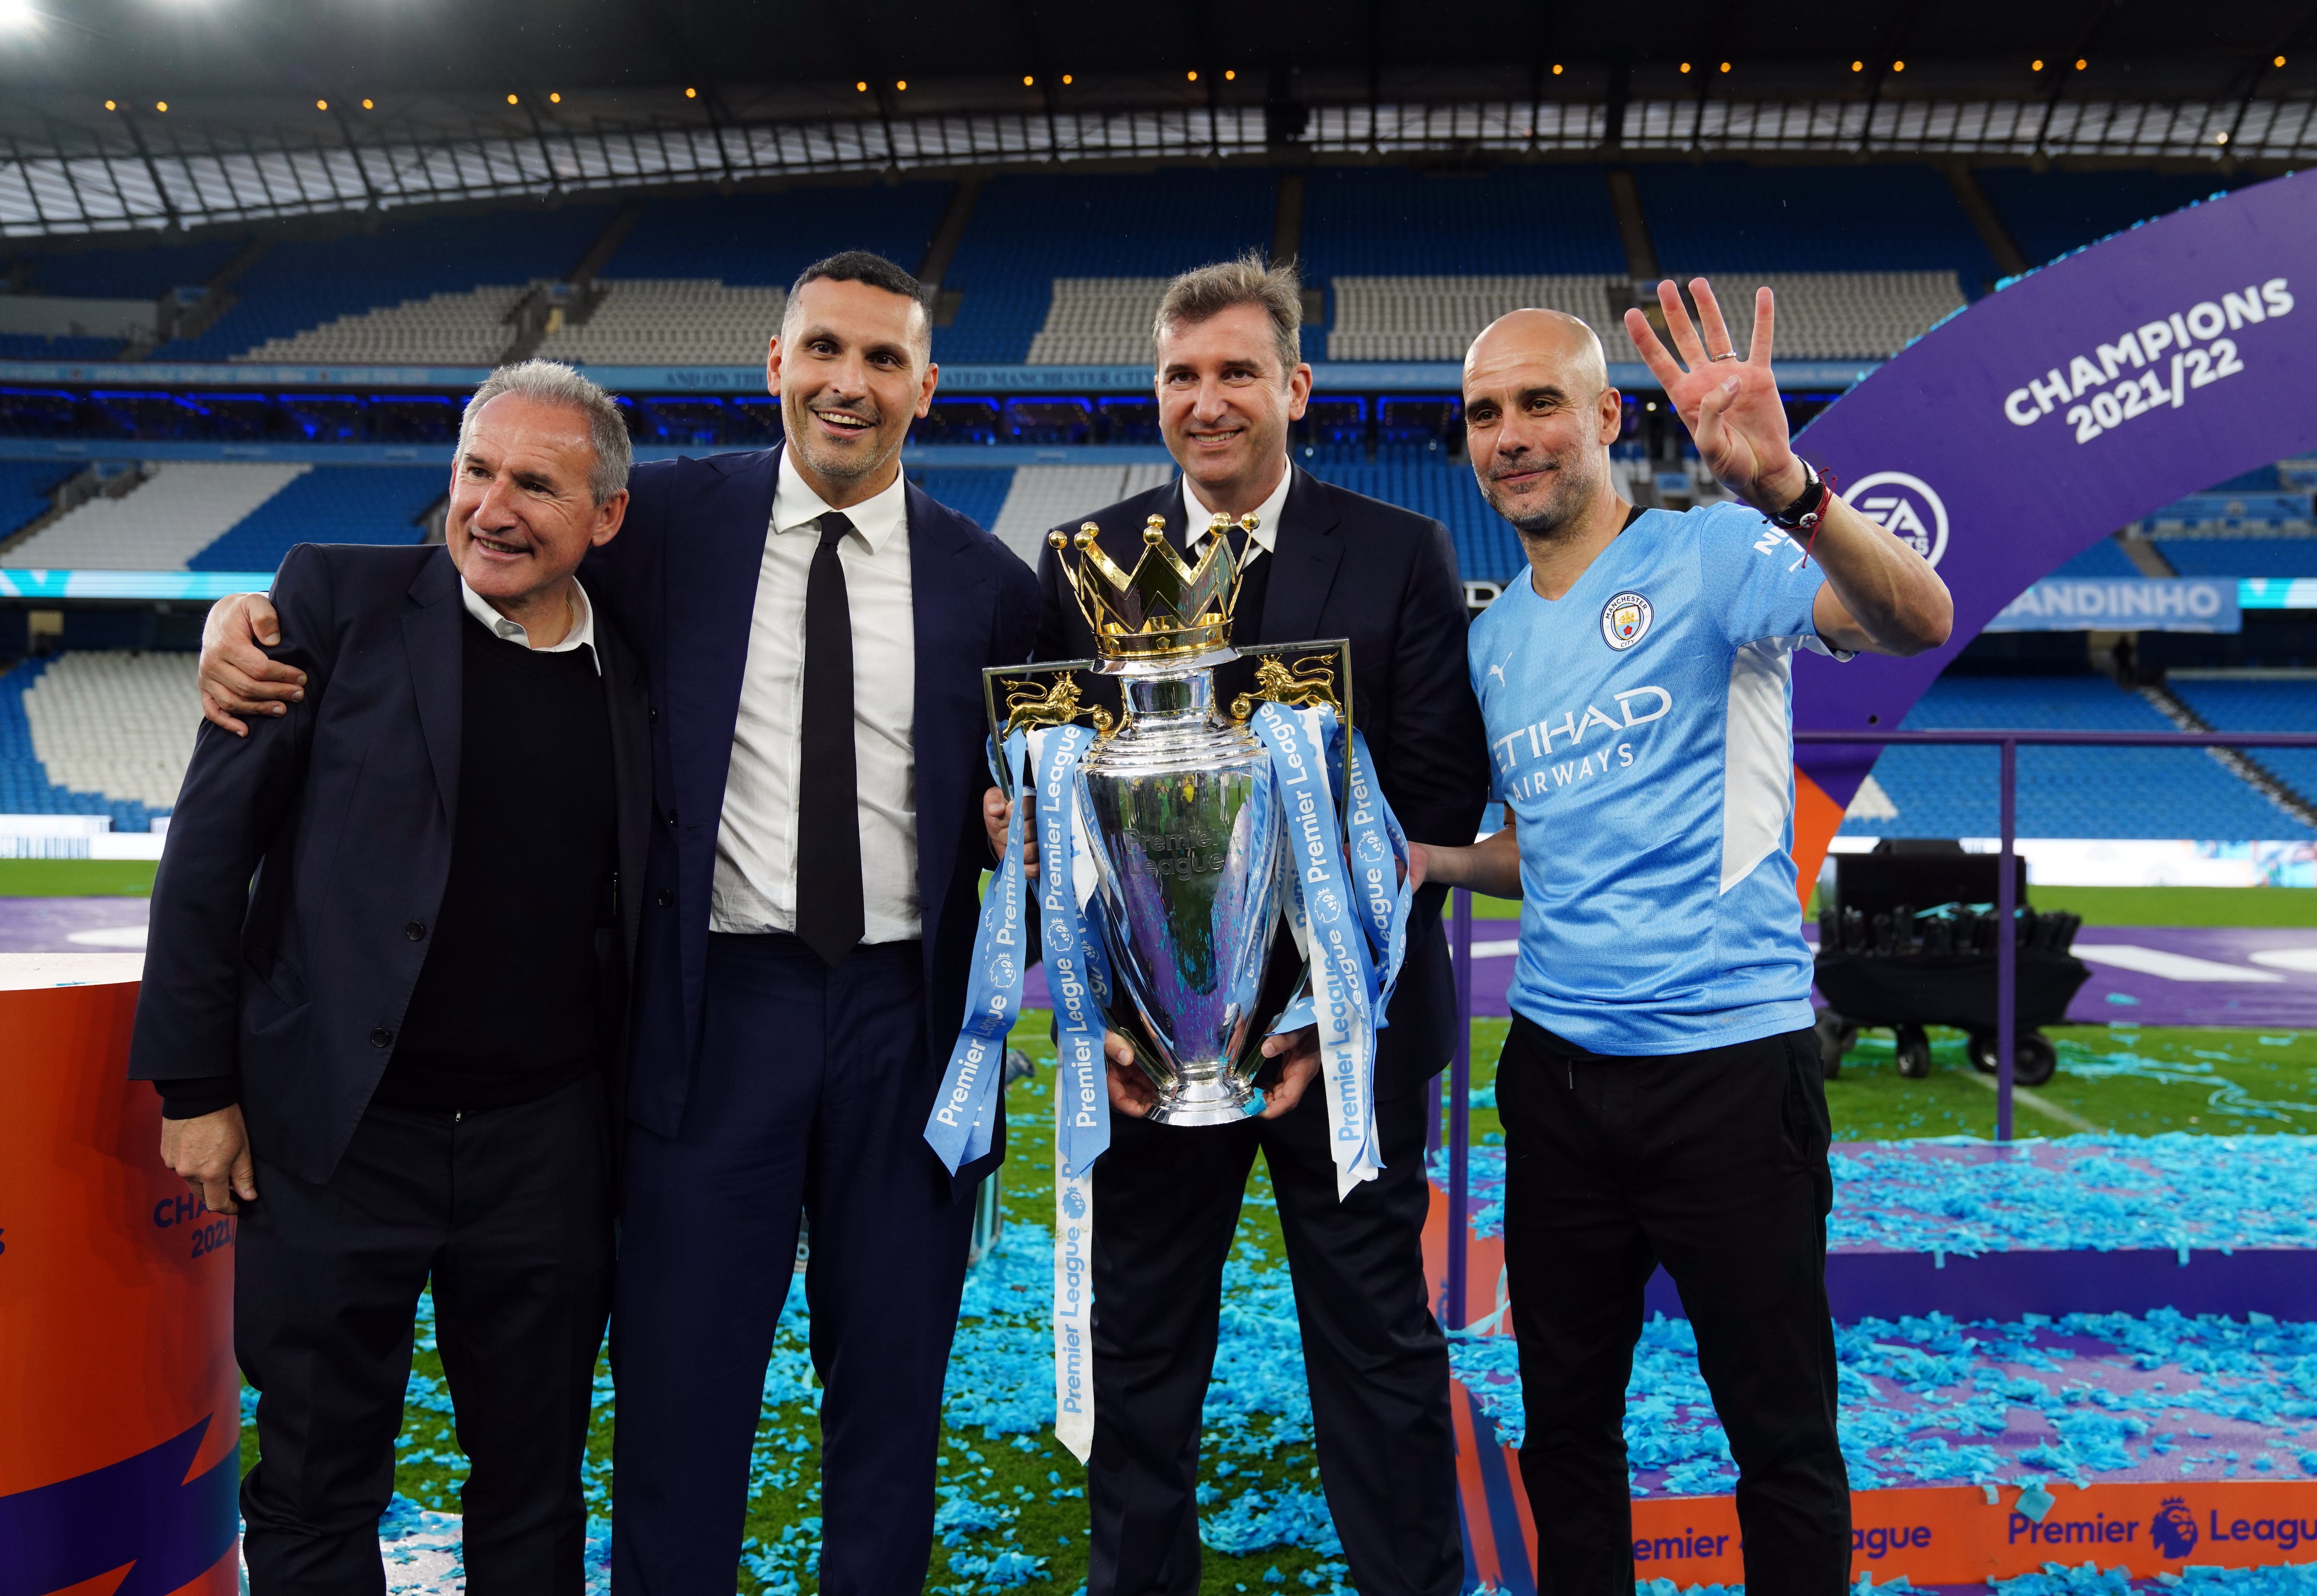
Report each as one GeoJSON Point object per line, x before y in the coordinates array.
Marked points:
{"type": "Point", "coordinates": [815, 629]}
{"type": "Point", "coordinates": [1322, 563]}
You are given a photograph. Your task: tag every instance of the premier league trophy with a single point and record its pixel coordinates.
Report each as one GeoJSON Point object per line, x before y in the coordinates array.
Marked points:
{"type": "Point", "coordinates": [1182, 808]}
{"type": "Point", "coordinates": [1174, 840]}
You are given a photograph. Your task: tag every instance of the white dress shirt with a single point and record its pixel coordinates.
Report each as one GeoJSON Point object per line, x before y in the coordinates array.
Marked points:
{"type": "Point", "coordinates": [583, 623]}
{"type": "Point", "coordinates": [755, 887]}
{"type": "Point", "coordinates": [1197, 515]}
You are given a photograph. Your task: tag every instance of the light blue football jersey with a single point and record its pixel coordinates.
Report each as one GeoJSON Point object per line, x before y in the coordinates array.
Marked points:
{"type": "Point", "coordinates": [1641, 734]}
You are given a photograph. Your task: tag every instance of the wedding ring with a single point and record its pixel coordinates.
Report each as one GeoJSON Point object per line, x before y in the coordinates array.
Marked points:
{"type": "Point", "coordinates": [1727, 356]}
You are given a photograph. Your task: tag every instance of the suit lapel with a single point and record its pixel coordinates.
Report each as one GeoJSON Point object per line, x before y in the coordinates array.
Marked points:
{"type": "Point", "coordinates": [429, 637]}
{"type": "Point", "coordinates": [1308, 549]}
{"type": "Point", "coordinates": [950, 626]}
{"type": "Point", "coordinates": [631, 774]}
{"type": "Point", "coordinates": [712, 576]}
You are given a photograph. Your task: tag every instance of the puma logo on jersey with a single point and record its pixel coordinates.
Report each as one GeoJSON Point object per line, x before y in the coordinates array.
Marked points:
{"type": "Point", "coordinates": [1498, 671]}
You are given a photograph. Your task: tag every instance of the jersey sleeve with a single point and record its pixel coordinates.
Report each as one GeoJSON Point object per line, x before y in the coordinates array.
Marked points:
{"type": "Point", "coordinates": [1765, 585]}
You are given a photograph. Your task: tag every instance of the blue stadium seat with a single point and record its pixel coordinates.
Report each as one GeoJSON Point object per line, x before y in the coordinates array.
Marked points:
{"type": "Point", "coordinates": [2052, 213]}
{"type": "Point", "coordinates": [329, 504]}
{"type": "Point", "coordinates": [31, 346]}
{"type": "Point", "coordinates": [1026, 231]}
{"type": "Point", "coordinates": [1516, 221]}
{"type": "Point", "coordinates": [2250, 704]}
{"type": "Point", "coordinates": [302, 283]}
{"type": "Point", "coordinates": [2164, 793]}
{"type": "Point", "coordinates": [24, 785]}
{"type": "Point", "coordinates": [142, 273]}
{"type": "Point", "coordinates": [2240, 556]}
{"type": "Point", "coordinates": [976, 492]}
{"type": "Point", "coordinates": [1730, 216]}
{"type": "Point", "coordinates": [1488, 549]}
{"type": "Point", "coordinates": [766, 239]}
{"type": "Point", "coordinates": [2103, 560]}
{"type": "Point", "coordinates": [24, 488]}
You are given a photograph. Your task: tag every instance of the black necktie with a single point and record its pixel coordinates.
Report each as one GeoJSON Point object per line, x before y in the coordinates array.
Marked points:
{"type": "Point", "coordinates": [828, 913]}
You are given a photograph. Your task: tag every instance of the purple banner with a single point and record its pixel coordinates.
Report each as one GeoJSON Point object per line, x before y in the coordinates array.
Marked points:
{"type": "Point", "coordinates": [2081, 397]}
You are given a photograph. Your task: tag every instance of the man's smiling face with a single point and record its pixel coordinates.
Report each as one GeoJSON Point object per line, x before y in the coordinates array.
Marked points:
{"type": "Point", "coordinates": [1539, 416]}
{"type": "Point", "coordinates": [522, 514]}
{"type": "Point", "coordinates": [851, 368]}
{"type": "Point", "coordinates": [1223, 401]}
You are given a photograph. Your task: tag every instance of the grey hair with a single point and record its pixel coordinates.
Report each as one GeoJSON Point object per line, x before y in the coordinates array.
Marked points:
{"type": "Point", "coordinates": [551, 382]}
{"type": "Point", "coordinates": [1209, 290]}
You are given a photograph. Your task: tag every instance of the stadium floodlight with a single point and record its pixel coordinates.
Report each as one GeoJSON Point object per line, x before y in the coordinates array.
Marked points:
{"type": "Point", "coordinates": [367, 106]}
{"type": "Point", "coordinates": [691, 93]}
{"type": "Point", "coordinates": [321, 105]}
{"type": "Point", "coordinates": [17, 16]}
{"type": "Point", "coordinates": [2034, 65]}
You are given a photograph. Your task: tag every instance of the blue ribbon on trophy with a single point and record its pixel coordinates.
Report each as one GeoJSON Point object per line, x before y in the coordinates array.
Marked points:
{"type": "Point", "coordinates": [1175, 841]}
{"type": "Point", "coordinates": [962, 1123]}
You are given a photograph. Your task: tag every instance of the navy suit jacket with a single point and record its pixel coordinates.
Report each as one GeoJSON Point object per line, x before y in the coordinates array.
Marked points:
{"type": "Point", "coordinates": [1346, 565]}
{"type": "Point", "coordinates": [680, 578]}
{"type": "Point", "coordinates": [344, 810]}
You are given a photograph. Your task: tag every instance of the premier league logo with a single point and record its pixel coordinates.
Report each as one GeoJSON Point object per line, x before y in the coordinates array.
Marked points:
{"type": "Point", "coordinates": [1907, 508]}
{"type": "Point", "coordinates": [1370, 848]}
{"type": "Point", "coordinates": [1074, 1206]}
{"type": "Point", "coordinates": [1625, 620]}
{"type": "Point", "coordinates": [2174, 1529]}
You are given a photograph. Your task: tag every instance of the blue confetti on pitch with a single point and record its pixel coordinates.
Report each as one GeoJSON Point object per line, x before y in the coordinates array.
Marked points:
{"type": "Point", "coordinates": [2100, 1193]}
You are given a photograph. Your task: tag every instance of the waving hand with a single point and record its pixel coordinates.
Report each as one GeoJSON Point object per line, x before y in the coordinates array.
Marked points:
{"type": "Point", "coordinates": [1730, 405]}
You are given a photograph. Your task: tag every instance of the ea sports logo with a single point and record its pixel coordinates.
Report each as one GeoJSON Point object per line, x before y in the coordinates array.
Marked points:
{"type": "Point", "coordinates": [1907, 508]}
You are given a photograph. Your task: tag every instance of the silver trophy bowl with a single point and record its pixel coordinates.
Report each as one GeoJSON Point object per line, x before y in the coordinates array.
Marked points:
{"type": "Point", "coordinates": [1184, 817]}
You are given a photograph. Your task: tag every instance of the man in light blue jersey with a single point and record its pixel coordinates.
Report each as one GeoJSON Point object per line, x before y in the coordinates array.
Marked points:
{"type": "Point", "coordinates": [1661, 1087]}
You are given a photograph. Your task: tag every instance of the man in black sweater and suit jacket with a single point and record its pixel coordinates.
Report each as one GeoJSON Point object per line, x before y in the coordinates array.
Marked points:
{"type": "Point", "coordinates": [392, 1054]}
{"type": "Point", "coordinates": [1334, 564]}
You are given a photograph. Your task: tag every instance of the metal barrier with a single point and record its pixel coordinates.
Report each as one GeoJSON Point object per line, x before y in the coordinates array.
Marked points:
{"type": "Point", "coordinates": [2007, 743]}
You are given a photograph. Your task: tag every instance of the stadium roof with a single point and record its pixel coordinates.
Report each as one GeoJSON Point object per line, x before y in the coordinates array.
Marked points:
{"type": "Point", "coordinates": [288, 107]}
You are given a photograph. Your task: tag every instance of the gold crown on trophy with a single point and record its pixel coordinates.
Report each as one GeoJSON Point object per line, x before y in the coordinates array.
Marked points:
{"type": "Point", "coordinates": [1164, 607]}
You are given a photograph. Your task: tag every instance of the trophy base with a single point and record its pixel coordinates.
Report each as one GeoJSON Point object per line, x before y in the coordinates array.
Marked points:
{"type": "Point", "coordinates": [1212, 1102]}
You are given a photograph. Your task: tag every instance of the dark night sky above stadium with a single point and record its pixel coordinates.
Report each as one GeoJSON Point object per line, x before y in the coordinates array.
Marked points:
{"type": "Point", "coordinates": [236, 55]}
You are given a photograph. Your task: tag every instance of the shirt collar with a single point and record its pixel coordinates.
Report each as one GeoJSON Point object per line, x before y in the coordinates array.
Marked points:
{"type": "Point", "coordinates": [877, 519]}
{"type": "Point", "coordinates": [583, 623]}
{"type": "Point", "coordinates": [1196, 515]}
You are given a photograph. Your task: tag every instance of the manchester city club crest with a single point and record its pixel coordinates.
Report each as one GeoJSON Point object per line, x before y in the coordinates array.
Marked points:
{"type": "Point", "coordinates": [1625, 620]}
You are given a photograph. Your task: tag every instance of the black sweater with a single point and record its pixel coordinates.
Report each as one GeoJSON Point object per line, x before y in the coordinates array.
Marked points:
{"type": "Point", "coordinates": [505, 1008]}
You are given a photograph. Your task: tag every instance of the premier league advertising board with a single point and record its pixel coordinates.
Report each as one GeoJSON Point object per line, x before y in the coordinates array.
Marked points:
{"type": "Point", "coordinates": [2030, 425]}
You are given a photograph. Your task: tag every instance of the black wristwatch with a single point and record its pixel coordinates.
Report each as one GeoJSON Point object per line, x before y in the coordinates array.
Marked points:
{"type": "Point", "coordinates": [1803, 514]}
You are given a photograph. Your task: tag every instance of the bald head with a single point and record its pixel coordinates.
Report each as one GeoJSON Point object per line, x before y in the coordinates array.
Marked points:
{"type": "Point", "coordinates": [1541, 338]}
{"type": "Point", "coordinates": [1539, 418]}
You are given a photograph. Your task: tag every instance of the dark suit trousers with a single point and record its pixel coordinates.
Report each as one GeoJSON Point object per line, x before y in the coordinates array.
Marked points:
{"type": "Point", "coordinates": [1714, 1163]}
{"type": "Point", "coordinates": [509, 1210]}
{"type": "Point", "coordinates": [1166, 1202]}
{"type": "Point", "coordinates": [811, 1091]}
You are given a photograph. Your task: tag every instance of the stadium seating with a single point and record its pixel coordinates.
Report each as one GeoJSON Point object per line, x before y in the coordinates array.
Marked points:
{"type": "Point", "coordinates": [137, 272]}
{"type": "Point", "coordinates": [1516, 221]}
{"type": "Point", "coordinates": [2063, 792]}
{"type": "Point", "coordinates": [25, 489]}
{"type": "Point", "coordinates": [1098, 321]}
{"type": "Point", "coordinates": [2051, 213]}
{"type": "Point", "coordinates": [976, 492]}
{"type": "Point", "coordinates": [1729, 218]}
{"type": "Point", "coordinates": [301, 283]}
{"type": "Point", "coordinates": [1436, 319]}
{"type": "Point", "coordinates": [761, 240]}
{"type": "Point", "coordinates": [183, 506]}
{"type": "Point", "coordinates": [2254, 702]}
{"type": "Point", "coordinates": [2286, 556]}
{"type": "Point", "coordinates": [468, 328]}
{"type": "Point", "coordinates": [107, 717]}
{"type": "Point", "coordinates": [1042, 497]}
{"type": "Point", "coordinates": [2104, 560]}
{"type": "Point", "coordinates": [329, 504]}
{"type": "Point", "coordinates": [1026, 231]}
{"type": "Point", "coordinates": [31, 346]}
{"type": "Point", "coordinates": [671, 321]}
{"type": "Point", "coordinates": [114, 723]}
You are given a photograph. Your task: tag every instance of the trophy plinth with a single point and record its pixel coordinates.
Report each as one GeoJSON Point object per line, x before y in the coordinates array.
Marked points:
{"type": "Point", "coordinates": [1181, 807]}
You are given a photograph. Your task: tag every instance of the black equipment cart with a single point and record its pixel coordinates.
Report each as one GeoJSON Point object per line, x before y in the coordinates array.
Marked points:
{"type": "Point", "coordinates": [1884, 961]}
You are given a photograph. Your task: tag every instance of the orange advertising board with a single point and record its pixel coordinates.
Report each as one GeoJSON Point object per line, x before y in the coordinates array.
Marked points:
{"type": "Point", "coordinates": [119, 1396]}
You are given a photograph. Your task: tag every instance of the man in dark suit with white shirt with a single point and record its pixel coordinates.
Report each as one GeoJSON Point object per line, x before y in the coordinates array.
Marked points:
{"type": "Point", "coordinates": [816, 627]}
{"type": "Point", "coordinates": [395, 1054]}
{"type": "Point", "coordinates": [1334, 564]}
